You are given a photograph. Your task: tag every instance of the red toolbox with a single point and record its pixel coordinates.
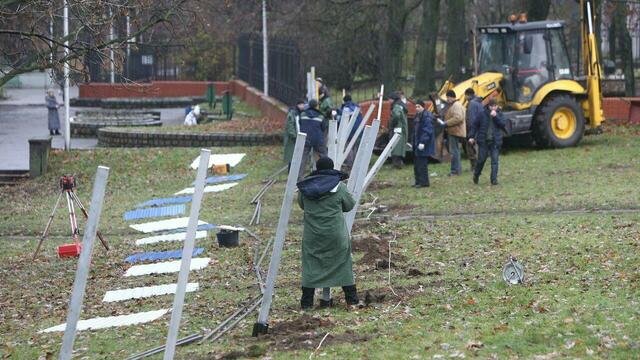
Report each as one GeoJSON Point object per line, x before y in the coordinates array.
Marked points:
{"type": "Point", "coordinates": [69, 250]}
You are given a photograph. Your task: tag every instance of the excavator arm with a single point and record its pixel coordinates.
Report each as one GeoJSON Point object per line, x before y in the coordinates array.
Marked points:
{"type": "Point", "coordinates": [593, 70]}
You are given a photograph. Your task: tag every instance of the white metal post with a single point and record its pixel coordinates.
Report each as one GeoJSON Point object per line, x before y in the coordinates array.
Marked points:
{"type": "Point", "coordinates": [314, 87]}
{"type": "Point", "coordinates": [332, 141]}
{"type": "Point", "coordinates": [112, 59]}
{"type": "Point", "coordinates": [128, 45]}
{"type": "Point", "coordinates": [84, 262]}
{"type": "Point", "coordinates": [261, 326]}
{"type": "Point", "coordinates": [65, 31]}
{"type": "Point", "coordinates": [187, 252]}
{"type": "Point", "coordinates": [356, 135]}
{"type": "Point", "coordinates": [383, 157]}
{"type": "Point", "coordinates": [265, 49]}
{"type": "Point", "coordinates": [52, 74]}
{"type": "Point", "coordinates": [363, 167]}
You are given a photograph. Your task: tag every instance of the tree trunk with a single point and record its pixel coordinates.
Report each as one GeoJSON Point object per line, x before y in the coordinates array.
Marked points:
{"type": "Point", "coordinates": [613, 35]}
{"type": "Point", "coordinates": [392, 46]}
{"type": "Point", "coordinates": [426, 51]}
{"type": "Point", "coordinates": [625, 45]}
{"type": "Point", "coordinates": [456, 35]}
{"type": "Point", "coordinates": [538, 9]}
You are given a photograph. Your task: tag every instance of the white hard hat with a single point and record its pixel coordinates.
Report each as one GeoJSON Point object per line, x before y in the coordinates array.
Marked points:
{"type": "Point", "coordinates": [196, 110]}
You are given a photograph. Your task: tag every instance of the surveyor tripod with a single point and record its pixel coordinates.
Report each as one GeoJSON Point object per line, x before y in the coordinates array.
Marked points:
{"type": "Point", "coordinates": [67, 184]}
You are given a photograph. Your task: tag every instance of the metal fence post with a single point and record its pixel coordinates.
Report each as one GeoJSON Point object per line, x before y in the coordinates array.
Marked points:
{"type": "Point", "coordinates": [84, 262]}
{"type": "Point", "coordinates": [262, 326]}
{"type": "Point", "coordinates": [187, 252]}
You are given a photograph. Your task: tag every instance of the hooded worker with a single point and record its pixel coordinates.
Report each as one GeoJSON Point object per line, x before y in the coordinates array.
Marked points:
{"type": "Point", "coordinates": [291, 129]}
{"type": "Point", "coordinates": [398, 124]}
{"type": "Point", "coordinates": [326, 244]}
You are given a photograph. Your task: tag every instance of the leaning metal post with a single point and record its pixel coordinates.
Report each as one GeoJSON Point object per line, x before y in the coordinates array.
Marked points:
{"type": "Point", "coordinates": [262, 326]}
{"type": "Point", "coordinates": [362, 173]}
{"type": "Point", "coordinates": [383, 157]}
{"type": "Point", "coordinates": [187, 252]}
{"type": "Point", "coordinates": [356, 135]}
{"type": "Point", "coordinates": [84, 262]}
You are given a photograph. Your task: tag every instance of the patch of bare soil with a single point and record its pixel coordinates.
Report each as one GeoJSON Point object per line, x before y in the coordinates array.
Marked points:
{"type": "Point", "coordinates": [379, 185]}
{"type": "Point", "coordinates": [376, 253]}
{"type": "Point", "coordinates": [306, 332]}
{"type": "Point", "coordinates": [401, 207]}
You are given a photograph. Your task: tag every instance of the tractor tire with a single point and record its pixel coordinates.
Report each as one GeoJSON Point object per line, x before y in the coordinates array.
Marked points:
{"type": "Point", "coordinates": [558, 122]}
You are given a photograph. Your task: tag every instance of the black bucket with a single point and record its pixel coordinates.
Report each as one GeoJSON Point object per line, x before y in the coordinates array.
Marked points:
{"type": "Point", "coordinates": [228, 238]}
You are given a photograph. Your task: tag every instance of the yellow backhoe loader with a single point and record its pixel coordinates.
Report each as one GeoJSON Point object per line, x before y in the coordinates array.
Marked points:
{"type": "Point", "coordinates": [525, 66]}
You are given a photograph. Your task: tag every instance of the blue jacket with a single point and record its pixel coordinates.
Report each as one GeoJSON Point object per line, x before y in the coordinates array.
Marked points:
{"type": "Point", "coordinates": [474, 110]}
{"type": "Point", "coordinates": [480, 128]}
{"type": "Point", "coordinates": [352, 107]}
{"type": "Point", "coordinates": [313, 123]}
{"type": "Point", "coordinates": [423, 133]}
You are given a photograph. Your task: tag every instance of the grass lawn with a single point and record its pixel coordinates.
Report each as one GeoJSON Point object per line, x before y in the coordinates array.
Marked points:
{"type": "Point", "coordinates": [446, 298]}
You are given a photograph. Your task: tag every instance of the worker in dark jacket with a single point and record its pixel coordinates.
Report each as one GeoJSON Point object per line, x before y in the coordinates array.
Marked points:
{"type": "Point", "coordinates": [398, 125]}
{"type": "Point", "coordinates": [487, 133]}
{"type": "Point", "coordinates": [424, 145]}
{"type": "Point", "coordinates": [326, 243]}
{"type": "Point", "coordinates": [291, 130]}
{"type": "Point", "coordinates": [474, 110]}
{"type": "Point", "coordinates": [314, 124]}
{"type": "Point", "coordinates": [349, 105]}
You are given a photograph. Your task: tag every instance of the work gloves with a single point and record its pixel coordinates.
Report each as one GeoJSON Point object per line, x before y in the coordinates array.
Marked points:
{"type": "Point", "coordinates": [420, 147]}
{"type": "Point", "coordinates": [397, 131]}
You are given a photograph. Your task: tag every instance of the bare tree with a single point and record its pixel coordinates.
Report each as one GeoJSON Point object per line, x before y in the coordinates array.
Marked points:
{"type": "Point", "coordinates": [456, 36]}
{"type": "Point", "coordinates": [27, 44]}
{"type": "Point", "coordinates": [427, 39]}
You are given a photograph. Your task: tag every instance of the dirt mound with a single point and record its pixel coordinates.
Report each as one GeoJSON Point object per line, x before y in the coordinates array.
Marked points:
{"type": "Point", "coordinates": [306, 332]}
{"type": "Point", "coordinates": [379, 185]}
{"type": "Point", "coordinates": [376, 252]}
{"type": "Point", "coordinates": [302, 324]}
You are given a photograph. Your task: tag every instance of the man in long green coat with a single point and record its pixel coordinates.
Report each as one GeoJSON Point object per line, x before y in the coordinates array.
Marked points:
{"type": "Point", "coordinates": [326, 243]}
{"type": "Point", "coordinates": [398, 125]}
{"type": "Point", "coordinates": [291, 130]}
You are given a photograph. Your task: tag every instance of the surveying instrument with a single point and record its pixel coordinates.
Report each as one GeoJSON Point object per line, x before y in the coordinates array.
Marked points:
{"type": "Point", "coordinates": [67, 184]}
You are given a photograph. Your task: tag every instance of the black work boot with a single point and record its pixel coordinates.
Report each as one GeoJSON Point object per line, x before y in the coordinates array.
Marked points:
{"type": "Point", "coordinates": [306, 301]}
{"type": "Point", "coordinates": [350, 294]}
{"type": "Point", "coordinates": [397, 162]}
{"type": "Point", "coordinates": [325, 303]}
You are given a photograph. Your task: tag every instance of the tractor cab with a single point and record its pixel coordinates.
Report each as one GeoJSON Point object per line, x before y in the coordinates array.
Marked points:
{"type": "Point", "coordinates": [528, 55]}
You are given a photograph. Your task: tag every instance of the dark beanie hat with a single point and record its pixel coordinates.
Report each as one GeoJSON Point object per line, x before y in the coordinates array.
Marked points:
{"type": "Point", "coordinates": [420, 102]}
{"type": "Point", "coordinates": [300, 101]}
{"type": "Point", "coordinates": [451, 93]}
{"type": "Point", "coordinates": [346, 98]}
{"type": "Point", "coordinates": [313, 103]}
{"type": "Point", "coordinates": [324, 163]}
{"type": "Point", "coordinates": [469, 92]}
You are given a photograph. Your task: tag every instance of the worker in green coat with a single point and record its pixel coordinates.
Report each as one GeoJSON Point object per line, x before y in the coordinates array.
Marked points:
{"type": "Point", "coordinates": [398, 125]}
{"type": "Point", "coordinates": [326, 104]}
{"type": "Point", "coordinates": [326, 243]}
{"type": "Point", "coordinates": [291, 129]}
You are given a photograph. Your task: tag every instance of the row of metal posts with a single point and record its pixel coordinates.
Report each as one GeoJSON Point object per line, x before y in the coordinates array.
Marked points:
{"type": "Point", "coordinates": [359, 180]}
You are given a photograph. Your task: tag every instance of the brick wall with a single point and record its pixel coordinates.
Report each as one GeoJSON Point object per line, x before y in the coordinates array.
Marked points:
{"type": "Point", "coordinates": [270, 107]}
{"type": "Point", "coordinates": [152, 89]}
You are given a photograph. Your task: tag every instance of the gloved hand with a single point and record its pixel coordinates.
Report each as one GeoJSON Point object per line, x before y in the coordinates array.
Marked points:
{"type": "Point", "coordinates": [397, 131]}
{"type": "Point", "coordinates": [420, 147]}
{"type": "Point", "coordinates": [334, 113]}
{"type": "Point", "coordinates": [442, 123]}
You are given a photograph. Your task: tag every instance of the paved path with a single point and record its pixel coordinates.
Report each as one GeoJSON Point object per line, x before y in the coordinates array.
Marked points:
{"type": "Point", "coordinates": [23, 116]}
